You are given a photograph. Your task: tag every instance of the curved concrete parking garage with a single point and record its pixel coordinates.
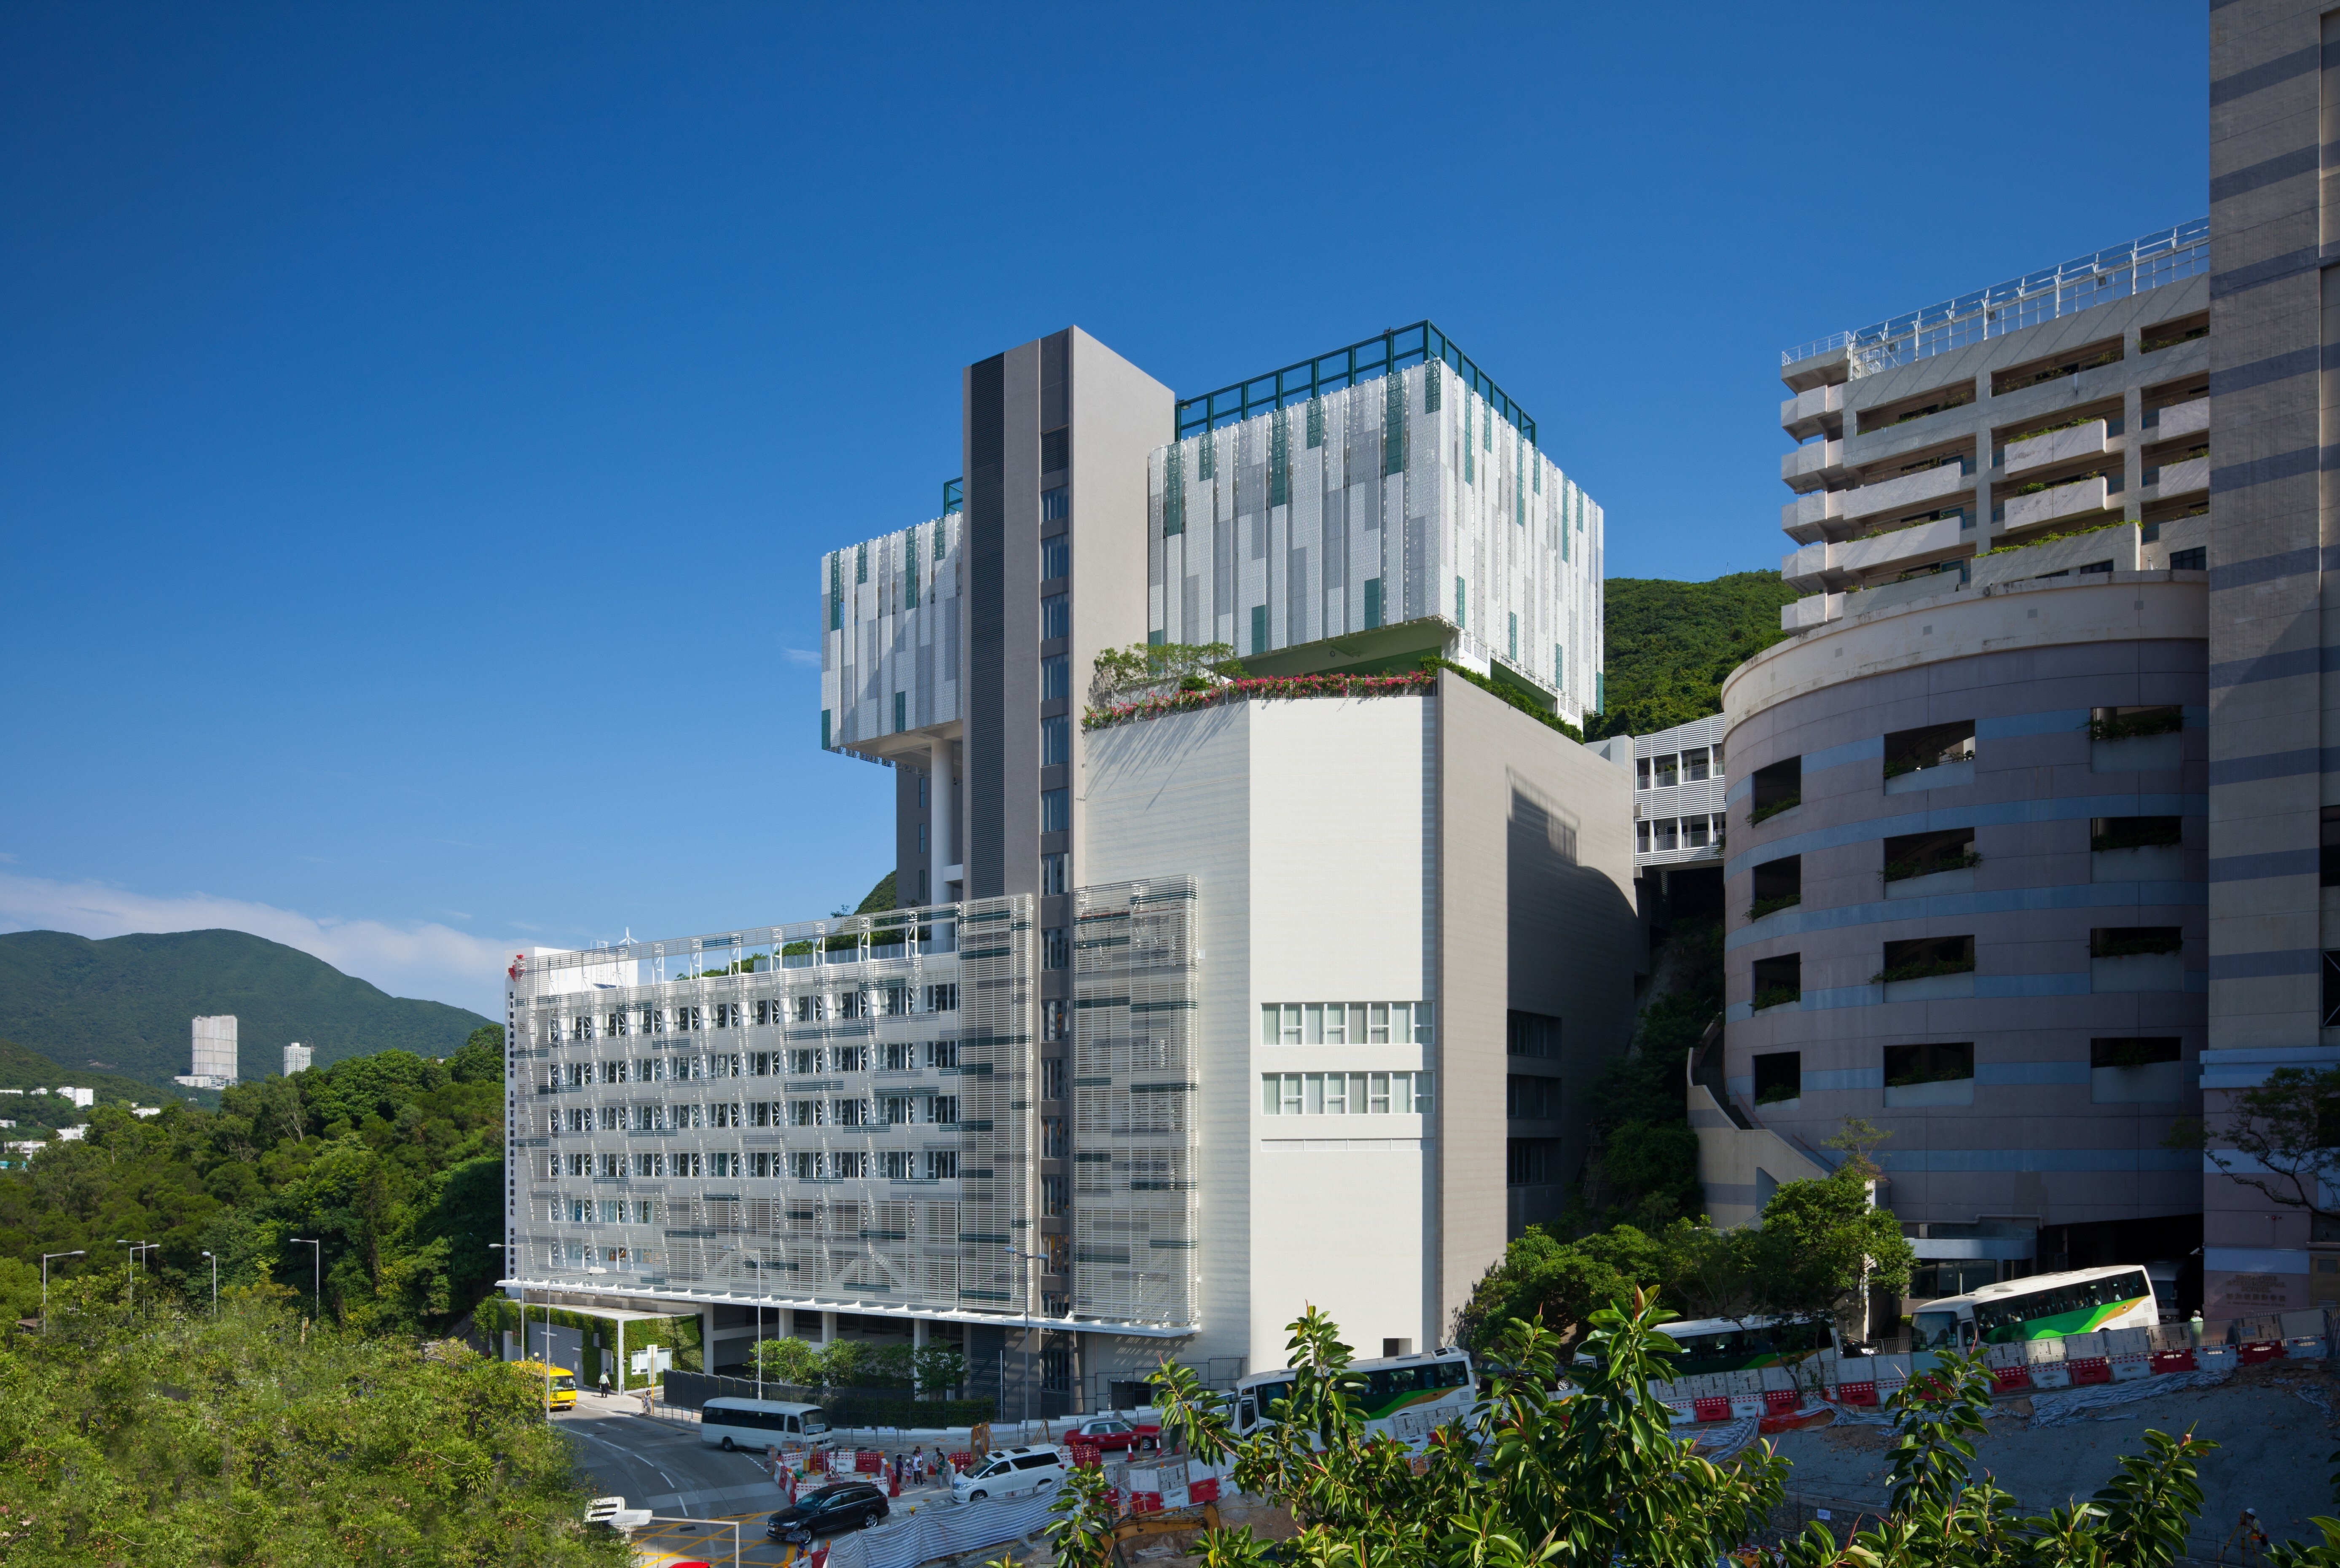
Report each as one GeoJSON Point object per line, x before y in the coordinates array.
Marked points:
{"type": "Point", "coordinates": [1967, 918]}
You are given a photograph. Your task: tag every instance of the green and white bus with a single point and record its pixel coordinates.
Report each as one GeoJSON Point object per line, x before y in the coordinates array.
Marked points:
{"type": "Point", "coordinates": [1711, 1344]}
{"type": "Point", "coordinates": [1405, 1396]}
{"type": "Point", "coordinates": [2042, 1306]}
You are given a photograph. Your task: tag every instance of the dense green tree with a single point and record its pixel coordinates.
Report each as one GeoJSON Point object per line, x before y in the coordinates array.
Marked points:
{"type": "Point", "coordinates": [1585, 1474]}
{"type": "Point", "coordinates": [393, 1162]}
{"type": "Point", "coordinates": [1670, 644]}
{"type": "Point", "coordinates": [169, 1436]}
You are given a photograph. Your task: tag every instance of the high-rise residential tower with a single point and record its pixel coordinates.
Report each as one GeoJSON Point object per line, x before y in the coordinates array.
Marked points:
{"type": "Point", "coordinates": [215, 1063]}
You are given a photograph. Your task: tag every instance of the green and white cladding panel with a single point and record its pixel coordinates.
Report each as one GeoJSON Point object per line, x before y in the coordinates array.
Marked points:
{"type": "Point", "coordinates": [1401, 499]}
{"type": "Point", "coordinates": [890, 633]}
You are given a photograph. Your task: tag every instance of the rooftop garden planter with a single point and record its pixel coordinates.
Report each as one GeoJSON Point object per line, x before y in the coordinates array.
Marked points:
{"type": "Point", "coordinates": [1257, 688]}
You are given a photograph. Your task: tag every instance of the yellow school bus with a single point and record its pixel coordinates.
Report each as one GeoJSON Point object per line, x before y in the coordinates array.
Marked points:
{"type": "Point", "coordinates": [563, 1385]}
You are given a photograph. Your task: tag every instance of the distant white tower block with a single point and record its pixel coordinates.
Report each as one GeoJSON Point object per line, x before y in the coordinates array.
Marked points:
{"type": "Point", "coordinates": [297, 1057]}
{"type": "Point", "coordinates": [80, 1097]}
{"type": "Point", "coordinates": [215, 1063]}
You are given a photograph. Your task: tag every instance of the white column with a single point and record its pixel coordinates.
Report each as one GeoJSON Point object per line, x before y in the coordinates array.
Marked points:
{"type": "Point", "coordinates": [828, 1328]}
{"type": "Point", "coordinates": [939, 813]}
{"type": "Point", "coordinates": [918, 1333]}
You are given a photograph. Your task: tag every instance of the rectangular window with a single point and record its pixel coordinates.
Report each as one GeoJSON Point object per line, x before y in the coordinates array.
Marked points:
{"type": "Point", "coordinates": [943, 998]}
{"type": "Point", "coordinates": [1259, 629]}
{"type": "Point", "coordinates": [2195, 559]}
{"type": "Point", "coordinates": [1056, 810]}
{"type": "Point", "coordinates": [805, 1167]}
{"type": "Point", "coordinates": [1373, 603]}
{"type": "Point", "coordinates": [942, 1053]}
{"type": "Point", "coordinates": [1056, 558]}
{"type": "Point", "coordinates": [942, 1165]}
{"type": "Point", "coordinates": [1908, 1066]}
{"type": "Point", "coordinates": [1345, 1094]}
{"type": "Point", "coordinates": [1530, 1098]}
{"type": "Point", "coordinates": [849, 1113]}
{"type": "Point", "coordinates": [899, 1165]}
{"type": "Point", "coordinates": [1055, 740]}
{"type": "Point", "coordinates": [763, 1166]}
{"type": "Point", "coordinates": [1056, 616]}
{"type": "Point", "coordinates": [1056, 872]}
{"type": "Point", "coordinates": [1527, 1162]}
{"type": "Point", "coordinates": [898, 1055]}
{"type": "Point", "coordinates": [849, 1058]}
{"type": "Point", "coordinates": [1055, 450]}
{"type": "Point", "coordinates": [804, 1061]}
{"type": "Point", "coordinates": [849, 1165]}
{"type": "Point", "coordinates": [901, 711]}
{"type": "Point", "coordinates": [1052, 1197]}
{"type": "Point", "coordinates": [805, 1113]}
{"type": "Point", "coordinates": [1055, 676]}
{"type": "Point", "coordinates": [942, 1110]}
{"type": "Point", "coordinates": [1052, 1077]}
{"type": "Point", "coordinates": [1057, 948]}
{"type": "Point", "coordinates": [894, 1110]}
{"type": "Point", "coordinates": [1056, 1019]}
{"type": "Point", "coordinates": [1516, 637]}
{"type": "Point", "coordinates": [1054, 1142]}
{"type": "Point", "coordinates": [1055, 506]}
{"type": "Point", "coordinates": [1533, 1035]}
{"type": "Point", "coordinates": [1461, 605]}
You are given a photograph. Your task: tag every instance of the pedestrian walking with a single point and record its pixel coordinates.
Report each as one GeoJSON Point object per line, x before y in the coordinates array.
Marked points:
{"type": "Point", "coordinates": [919, 1465]}
{"type": "Point", "coordinates": [605, 1385]}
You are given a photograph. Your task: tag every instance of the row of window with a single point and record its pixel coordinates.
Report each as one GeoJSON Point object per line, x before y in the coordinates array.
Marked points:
{"type": "Point", "coordinates": [1660, 834]}
{"type": "Point", "coordinates": [879, 1001]}
{"type": "Point", "coordinates": [1779, 979]}
{"type": "Point", "coordinates": [1345, 1023]}
{"type": "Point", "coordinates": [1778, 1075]}
{"type": "Point", "coordinates": [1343, 1093]}
{"type": "Point", "coordinates": [847, 1111]}
{"type": "Point", "coordinates": [1685, 766]}
{"type": "Point", "coordinates": [809, 1164]}
{"type": "Point", "coordinates": [802, 1061]}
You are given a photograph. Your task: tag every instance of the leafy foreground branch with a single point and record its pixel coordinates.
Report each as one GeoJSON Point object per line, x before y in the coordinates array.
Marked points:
{"type": "Point", "coordinates": [1543, 1473]}
{"type": "Point", "coordinates": [172, 1438]}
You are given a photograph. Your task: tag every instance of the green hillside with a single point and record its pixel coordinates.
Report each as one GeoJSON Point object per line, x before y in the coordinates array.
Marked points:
{"type": "Point", "coordinates": [123, 1006]}
{"type": "Point", "coordinates": [1670, 644]}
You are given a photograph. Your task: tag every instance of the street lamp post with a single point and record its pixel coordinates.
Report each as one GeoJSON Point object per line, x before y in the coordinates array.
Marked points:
{"type": "Point", "coordinates": [498, 1247]}
{"type": "Point", "coordinates": [77, 1252]}
{"type": "Point", "coordinates": [214, 1258]}
{"type": "Point", "coordinates": [316, 1275]}
{"type": "Point", "coordinates": [1027, 1257]}
{"type": "Point", "coordinates": [136, 1248]}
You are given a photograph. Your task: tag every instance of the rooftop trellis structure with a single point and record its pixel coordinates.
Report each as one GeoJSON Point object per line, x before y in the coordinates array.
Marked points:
{"type": "Point", "coordinates": [2164, 256]}
{"type": "Point", "coordinates": [1421, 343]}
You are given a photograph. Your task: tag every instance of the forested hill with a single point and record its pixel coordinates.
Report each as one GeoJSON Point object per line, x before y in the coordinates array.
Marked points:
{"type": "Point", "coordinates": [124, 1005]}
{"type": "Point", "coordinates": [1670, 644]}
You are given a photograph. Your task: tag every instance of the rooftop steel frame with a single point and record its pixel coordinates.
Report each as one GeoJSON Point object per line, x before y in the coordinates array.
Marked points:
{"type": "Point", "coordinates": [1394, 350]}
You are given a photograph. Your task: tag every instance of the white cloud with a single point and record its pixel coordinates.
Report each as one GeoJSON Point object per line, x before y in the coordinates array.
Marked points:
{"type": "Point", "coordinates": [802, 657]}
{"type": "Point", "coordinates": [425, 959]}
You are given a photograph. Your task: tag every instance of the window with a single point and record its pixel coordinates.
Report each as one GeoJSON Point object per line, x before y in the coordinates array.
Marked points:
{"type": "Point", "coordinates": [805, 1113]}
{"type": "Point", "coordinates": [1056, 1019]}
{"type": "Point", "coordinates": [1694, 765]}
{"type": "Point", "coordinates": [898, 1055]}
{"type": "Point", "coordinates": [804, 1061]}
{"type": "Point", "coordinates": [1052, 1197]}
{"type": "Point", "coordinates": [1923, 957]}
{"type": "Point", "coordinates": [1778, 885]}
{"type": "Point", "coordinates": [1343, 1093]}
{"type": "Point", "coordinates": [1055, 870]}
{"type": "Point", "coordinates": [1373, 603]}
{"type": "Point", "coordinates": [1461, 605]}
{"type": "Point", "coordinates": [942, 1110]}
{"type": "Point", "coordinates": [1908, 1066]}
{"type": "Point", "coordinates": [759, 1113]}
{"type": "Point", "coordinates": [2143, 832]}
{"type": "Point", "coordinates": [1641, 772]}
{"type": "Point", "coordinates": [894, 1110]}
{"type": "Point", "coordinates": [2195, 559]}
{"type": "Point", "coordinates": [1908, 856]}
{"type": "Point", "coordinates": [899, 1165]}
{"type": "Point", "coordinates": [1778, 1077]}
{"type": "Point", "coordinates": [1055, 450]}
{"type": "Point", "coordinates": [805, 1167]}
{"type": "Point", "coordinates": [942, 1053]}
{"type": "Point", "coordinates": [942, 1165]}
{"type": "Point", "coordinates": [1531, 1099]}
{"type": "Point", "coordinates": [1055, 506]}
{"type": "Point", "coordinates": [943, 998]}
{"type": "Point", "coordinates": [1665, 772]}
{"type": "Point", "coordinates": [1779, 980]}
{"type": "Point", "coordinates": [1775, 789]}
{"type": "Point", "coordinates": [2130, 941]}
{"type": "Point", "coordinates": [1527, 1162]}
{"type": "Point", "coordinates": [1052, 1077]}
{"type": "Point", "coordinates": [1345, 1023]}
{"type": "Point", "coordinates": [1516, 638]}
{"type": "Point", "coordinates": [721, 1164]}
{"type": "Point", "coordinates": [1259, 629]}
{"type": "Point", "coordinates": [650, 1164]}
{"type": "Point", "coordinates": [1055, 676]}
{"type": "Point", "coordinates": [2128, 1051]}
{"type": "Point", "coordinates": [1533, 1035]}
{"type": "Point", "coordinates": [1057, 948]}
{"type": "Point", "coordinates": [1931, 746]}
{"type": "Point", "coordinates": [1056, 558]}
{"type": "Point", "coordinates": [1056, 741]}
{"type": "Point", "coordinates": [849, 1165]}
{"type": "Point", "coordinates": [1056, 1377]}
{"type": "Point", "coordinates": [1056, 616]}
{"type": "Point", "coordinates": [1054, 1143]}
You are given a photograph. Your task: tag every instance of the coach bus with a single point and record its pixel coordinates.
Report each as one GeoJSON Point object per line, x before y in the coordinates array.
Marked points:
{"type": "Point", "coordinates": [2040, 1306]}
{"type": "Point", "coordinates": [1405, 1397]}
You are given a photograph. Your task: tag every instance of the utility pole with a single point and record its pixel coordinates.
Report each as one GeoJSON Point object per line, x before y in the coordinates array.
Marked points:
{"type": "Point", "coordinates": [317, 1274]}
{"type": "Point", "coordinates": [214, 1258]}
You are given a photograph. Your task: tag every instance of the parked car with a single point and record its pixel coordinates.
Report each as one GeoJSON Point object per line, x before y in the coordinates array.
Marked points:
{"type": "Point", "coordinates": [1010, 1473]}
{"type": "Point", "coordinates": [1105, 1432]}
{"type": "Point", "coordinates": [848, 1505]}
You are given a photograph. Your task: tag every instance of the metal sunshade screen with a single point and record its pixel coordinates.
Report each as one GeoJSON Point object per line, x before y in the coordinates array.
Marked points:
{"type": "Point", "coordinates": [1134, 1086]}
{"type": "Point", "coordinates": [897, 632]}
{"type": "Point", "coordinates": [698, 1052]}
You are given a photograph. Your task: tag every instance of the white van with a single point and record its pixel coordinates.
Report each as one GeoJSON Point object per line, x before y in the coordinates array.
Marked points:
{"type": "Point", "coordinates": [1010, 1473]}
{"type": "Point", "coordinates": [729, 1423]}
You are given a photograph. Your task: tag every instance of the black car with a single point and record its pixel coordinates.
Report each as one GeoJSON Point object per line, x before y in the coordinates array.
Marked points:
{"type": "Point", "coordinates": [848, 1505]}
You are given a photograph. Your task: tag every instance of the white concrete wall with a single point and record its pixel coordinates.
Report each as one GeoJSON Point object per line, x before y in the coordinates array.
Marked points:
{"type": "Point", "coordinates": [1306, 825]}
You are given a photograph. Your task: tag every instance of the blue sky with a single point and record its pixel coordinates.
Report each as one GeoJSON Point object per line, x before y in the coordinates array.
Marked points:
{"type": "Point", "coordinates": [418, 424]}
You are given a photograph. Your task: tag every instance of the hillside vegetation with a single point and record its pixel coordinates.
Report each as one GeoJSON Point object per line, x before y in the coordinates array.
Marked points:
{"type": "Point", "coordinates": [124, 1005]}
{"type": "Point", "coordinates": [1670, 644]}
{"type": "Point", "coordinates": [392, 1161]}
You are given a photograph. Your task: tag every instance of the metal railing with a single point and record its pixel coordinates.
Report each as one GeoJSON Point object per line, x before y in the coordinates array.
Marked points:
{"type": "Point", "coordinates": [2164, 256]}
{"type": "Point", "coordinates": [1392, 350]}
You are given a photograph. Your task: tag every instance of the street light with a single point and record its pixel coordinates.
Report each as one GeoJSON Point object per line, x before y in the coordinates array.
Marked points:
{"type": "Point", "coordinates": [136, 1248]}
{"type": "Point", "coordinates": [1033, 1257]}
{"type": "Point", "coordinates": [498, 1247]}
{"type": "Point", "coordinates": [214, 1258]}
{"type": "Point", "coordinates": [316, 1275]}
{"type": "Point", "coordinates": [77, 1252]}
